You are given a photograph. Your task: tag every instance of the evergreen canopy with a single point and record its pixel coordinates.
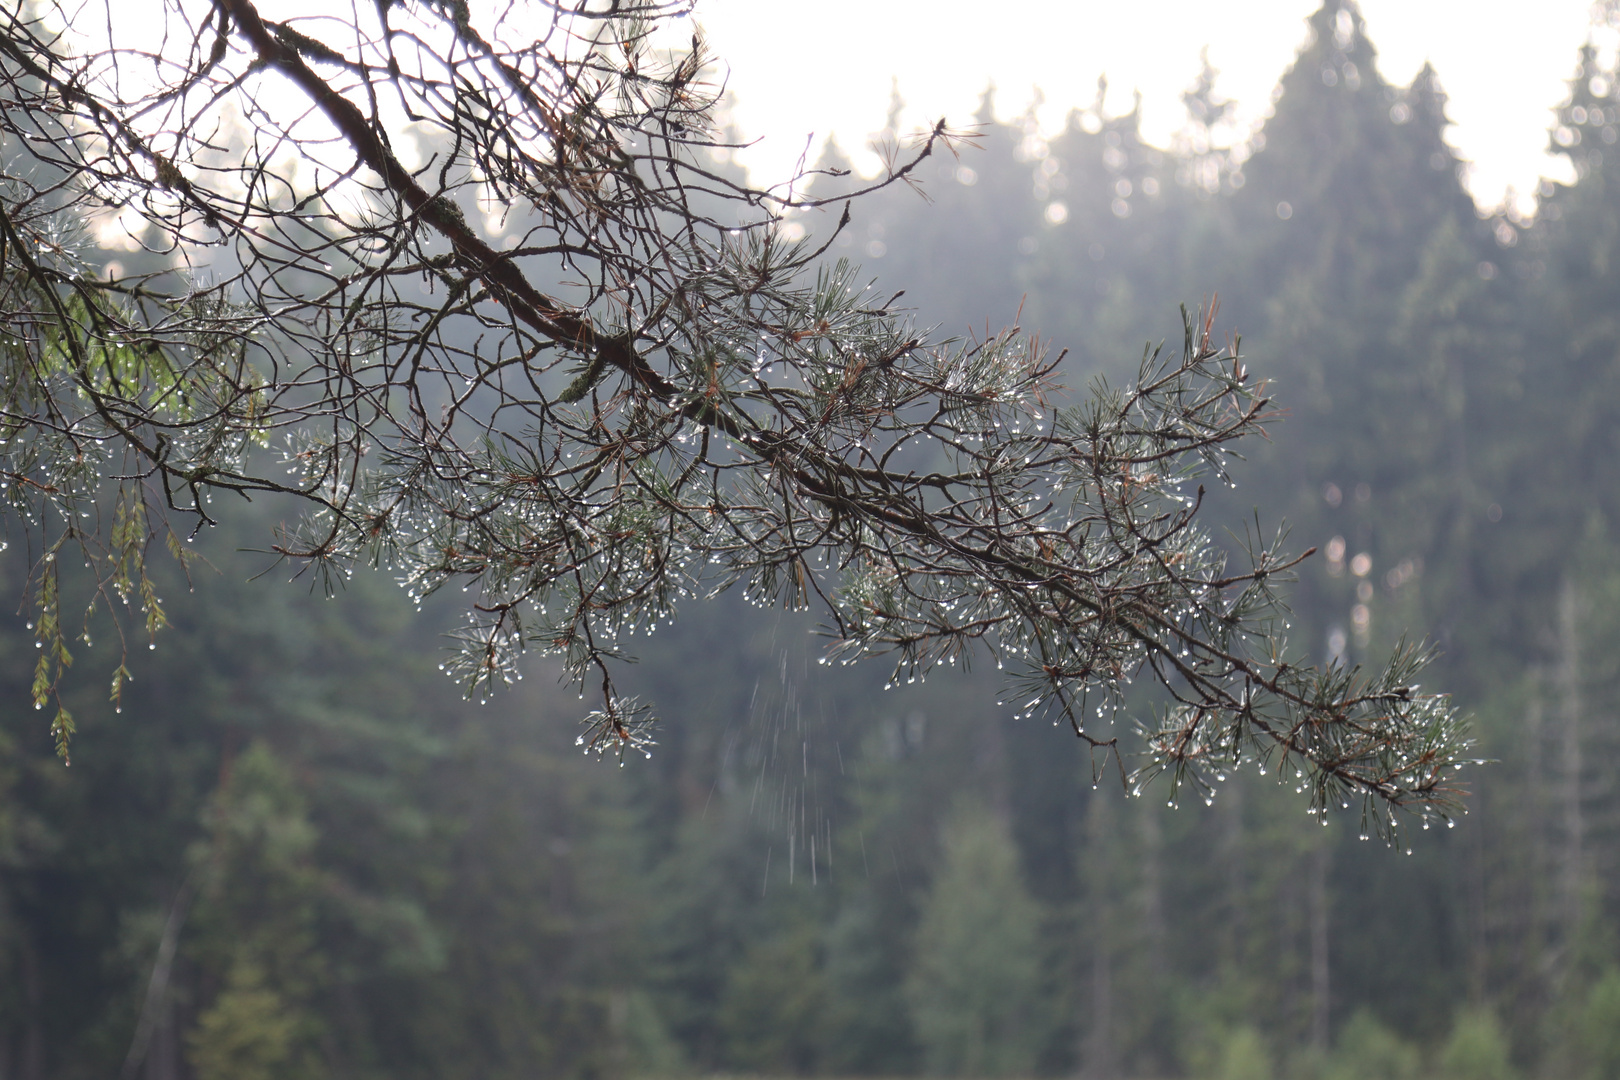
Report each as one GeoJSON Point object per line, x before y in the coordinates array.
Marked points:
{"type": "Point", "coordinates": [639, 383]}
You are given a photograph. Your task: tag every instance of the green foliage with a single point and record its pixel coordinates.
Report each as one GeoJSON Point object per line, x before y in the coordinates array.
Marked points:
{"type": "Point", "coordinates": [1243, 1055]}
{"type": "Point", "coordinates": [866, 1025]}
{"type": "Point", "coordinates": [1368, 1050]}
{"type": "Point", "coordinates": [251, 1033]}
{"type": "Point", "coordinates": [1477, 1049]}
{"type": "Point", "coordinates": [650, 1050]}
{"type": "Point", "coordinates": [366, 879]}
{"type": "Point", "coordinates": [771, 1009]}
{"type": "Point", "coordinates": [976, 989]}
{"type": "Point", "coordinates": [255, 922]}
{"type": "Point", "coordinates": [1598, 1028]}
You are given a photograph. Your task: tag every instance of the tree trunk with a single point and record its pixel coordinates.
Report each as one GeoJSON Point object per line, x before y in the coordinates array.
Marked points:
{"type": "Point", "coordinates": [32, 1065]}
{"type": "Point", "coordinates": [1321, 1017]}
{"type": "Point", "coordinates": [1572, 861]}
{"type": "Point", "coordinates": [1231, 844]}
{"type": "Point", "coordinates": [1100, 869]}
{"type": "Point", "coordinates": [1150, 857]}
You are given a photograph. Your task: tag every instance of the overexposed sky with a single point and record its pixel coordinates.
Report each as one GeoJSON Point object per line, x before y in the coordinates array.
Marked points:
{"type": "Point", "coordinates": [826, 67]}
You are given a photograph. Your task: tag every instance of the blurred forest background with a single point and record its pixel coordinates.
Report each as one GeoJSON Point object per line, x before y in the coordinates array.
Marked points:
{"type": "Point", "coordinates": [297, 853]}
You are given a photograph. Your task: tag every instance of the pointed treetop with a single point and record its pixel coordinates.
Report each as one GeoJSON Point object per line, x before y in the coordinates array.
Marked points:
{"type": "Point", "coordinates": [1204, 163]}
{"type": "Point", "coordinates": [832, 162]}
{"type": "Point", "coordinates": [897, 105]}
{"type": "Point", "coordinates": [1588, 120]}
{"type": "Point", "coordinates": [1037, 98]}
{"type": "Point", "coordinates": [987, 105]}
{"type": "Point", "coordinates": [1339, 55]}
{"type": "Point", "coordinates": [1427, 83]}
{"type": "Point", "coordinates": [1425, 108]}
{"type": "Point", "coordinates": [1342, 142]}
{"type": "Point", "coordinates": [1338, 23]}
{"type": "Point", "coordinates": [1331, 98]}
{"type": "Point", "coordinates": [1204, 107]}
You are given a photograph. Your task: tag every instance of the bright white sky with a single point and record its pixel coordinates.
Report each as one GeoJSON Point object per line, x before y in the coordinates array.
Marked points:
{"type": "Point", "coordinates": [826, 66]}
{"type": "Point", "coordinates": [799, 67]}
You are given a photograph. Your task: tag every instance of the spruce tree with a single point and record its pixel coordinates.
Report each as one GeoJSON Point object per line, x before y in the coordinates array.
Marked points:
{"type": "Point", "coordinates": [975, 985]}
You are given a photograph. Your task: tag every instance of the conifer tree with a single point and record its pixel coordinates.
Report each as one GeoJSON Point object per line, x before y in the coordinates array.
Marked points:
{"type": "Point", "coordinates": [486, 906]}
{"type": "Point", "coordinates": [975, 985]}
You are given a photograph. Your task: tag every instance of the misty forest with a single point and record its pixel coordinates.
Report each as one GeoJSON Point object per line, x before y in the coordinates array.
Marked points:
{"type": "Point", "coordinates": [295, 850]}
